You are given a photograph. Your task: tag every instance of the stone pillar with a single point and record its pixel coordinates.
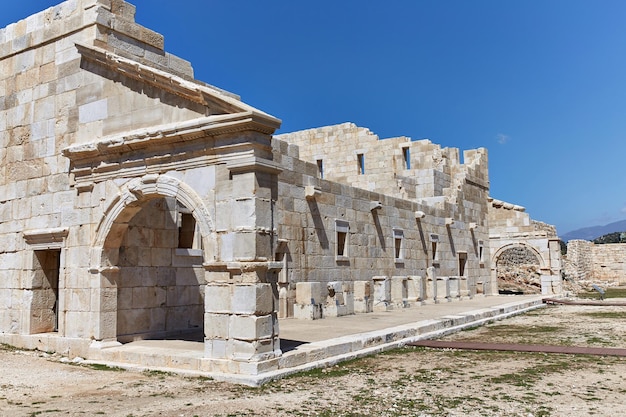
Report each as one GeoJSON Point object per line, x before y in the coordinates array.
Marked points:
{"type": "Point", "coordinates": [464, 287]}
{"type": "Point", "coordinates": [399, 292]}
{"type": "Point", "coordinates": [241, 294]}
{"type": "Point", "coordinates": [443, 289]}
{"type": "Point", "coordinates": [241, 317]}
{"type": "Point", "coordinates": [454, 285]}
{"type": "Point", "coordinates": [104, 304]}
{"type": "Point", "coordinates": [431, 284]}
{"type": "Point", "coordinates": [363, 301]}
{"type": "Point", "coordinates": [546, 285]}
{"type": "Point", "coordinates": [416, 290]}
{"type": "Point", "coordinates": [382, 294]}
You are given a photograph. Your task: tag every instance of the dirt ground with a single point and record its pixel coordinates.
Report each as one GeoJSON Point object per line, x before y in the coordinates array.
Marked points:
{"type": "Point", "coordinates": [404, 382]}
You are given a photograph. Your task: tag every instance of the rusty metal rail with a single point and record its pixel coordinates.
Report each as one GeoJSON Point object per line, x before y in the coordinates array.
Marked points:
{"type": "Point", "coordinates": [513, 347]}
{"type": "Point", "coordinates": [584, 303]}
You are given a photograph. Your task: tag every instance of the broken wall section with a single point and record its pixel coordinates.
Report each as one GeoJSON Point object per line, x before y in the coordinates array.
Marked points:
{"type": "Point", "coordinates": [398, 167]}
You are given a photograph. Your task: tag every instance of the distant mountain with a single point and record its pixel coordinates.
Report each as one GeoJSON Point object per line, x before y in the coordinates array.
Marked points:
{"type": "Point", "coordinates": [590, 233]}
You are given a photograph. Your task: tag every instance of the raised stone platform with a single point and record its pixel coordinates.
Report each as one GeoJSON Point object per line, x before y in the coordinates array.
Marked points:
{"type": "Point", "coordinates": [312, 344]}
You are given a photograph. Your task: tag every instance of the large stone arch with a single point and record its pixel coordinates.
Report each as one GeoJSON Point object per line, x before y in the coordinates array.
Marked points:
{"type": "Point", "coordinates": [120, 210]}
{"type": "Point", "coordinates": [523, 245]}
{"type": "Point", "coordinates": [523, 271]}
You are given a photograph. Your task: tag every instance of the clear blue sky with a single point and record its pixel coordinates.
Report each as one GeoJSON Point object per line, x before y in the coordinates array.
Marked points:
{"type": "Point", "coordinates": [540, 83]}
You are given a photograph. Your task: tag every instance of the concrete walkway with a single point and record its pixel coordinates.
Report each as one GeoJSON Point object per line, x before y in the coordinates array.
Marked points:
{"type": "Point", "coordinates": [308, 344]}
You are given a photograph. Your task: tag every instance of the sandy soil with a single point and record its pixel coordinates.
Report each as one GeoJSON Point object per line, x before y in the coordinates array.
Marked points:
{"type": "Point", "coordinates": [408, 381]}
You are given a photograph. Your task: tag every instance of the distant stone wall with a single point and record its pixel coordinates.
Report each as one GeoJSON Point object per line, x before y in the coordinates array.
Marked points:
{"type": "Point", "coordinates": [586, 260]}
{"type": "Point", "coordinates": [577, 263]}
{"type": "Point", "coordinates": [609, 262]}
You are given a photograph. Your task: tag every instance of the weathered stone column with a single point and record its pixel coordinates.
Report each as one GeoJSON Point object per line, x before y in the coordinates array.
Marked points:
{"type": "Point", "coordinates": [241, 293]}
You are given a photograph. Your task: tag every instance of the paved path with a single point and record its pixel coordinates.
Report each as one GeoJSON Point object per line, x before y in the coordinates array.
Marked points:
{"type": "Point", "coordinates": [308, 344]}
{"type": "Point", "coordinates": [333, 327]}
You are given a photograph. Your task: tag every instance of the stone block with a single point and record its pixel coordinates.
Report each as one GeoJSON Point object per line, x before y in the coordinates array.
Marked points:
{"type": "Point", "coordinates": [308, 293]}
{"type": "Point", "coordinates": [253, 299]}
{"type": "Point", "coordinates": [308, 311]}
{"type": "Point", "coordinates": [546, 285]}
{"type": "Point", "coordinates": [217, 298]}
{"type": "Point", "coordinates": [252, 327]}
{"type": "Point", "coordinates": [217, 326]}
{"type": "Point", "coordinates": [217, 348]}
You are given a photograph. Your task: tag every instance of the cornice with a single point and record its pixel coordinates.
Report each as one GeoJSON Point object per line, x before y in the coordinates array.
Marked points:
{"type": "Point", "coordinates": [171, 134]}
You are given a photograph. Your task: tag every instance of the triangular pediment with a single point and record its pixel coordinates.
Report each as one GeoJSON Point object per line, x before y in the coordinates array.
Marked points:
{"type": "Point", "coordinates": [215, 101]}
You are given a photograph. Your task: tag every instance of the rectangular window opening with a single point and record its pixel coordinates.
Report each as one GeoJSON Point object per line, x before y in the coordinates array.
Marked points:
{"type": "Point", "coordinates": [462, 263]}
{"type": "Point", "coordinates": [361, 160]}
{"type": "Point", "coordinates": [320, 168]}
{"type": "Point", "coordinates": [398, 248]}
{"type": "Point", "coordinates": [398, 238]}
{"type": "Point", "coordinates": [342, 229]}
{"type": "Point", "coordinates": [341, 243]}
{"type": "Point", "coordinates": [406, 154]}
{"type": "Point", "coordinates": [481, 252]}
{"type": "Point", "coordinates": [434, 240]}
{"type": "Point", "coordinates": [186, 229]}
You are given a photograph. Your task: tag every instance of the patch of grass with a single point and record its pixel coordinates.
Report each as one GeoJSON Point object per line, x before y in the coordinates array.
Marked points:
{"type": "Point", "coordinates": [202, 378]}
{"type": "Point", "coordinates": [595, 340]}
{"type": "Point", "coordinates": [156, 372]}
{"type": "Point", "coordinates": [528, 376]}
{"type": "Point", "coordinates": [103, 367]}
{"type": "Point", "coordinates": [619, 292]}
{"type": "Point", "coordinates": [516, 329]}
{"type": "Point", "coordinates": [4, 346]}
{"type": "Point", "coordinates": [618, 315]}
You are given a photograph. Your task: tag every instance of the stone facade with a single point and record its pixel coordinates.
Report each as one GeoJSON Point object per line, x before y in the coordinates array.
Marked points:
{"type": "Point", "coordinates": [137, 202]}
{"type": "Point", "coordinates": [522, 248]}
{"type": "Point", "coordinates": [588, 261]}
{"type": "Point", "coordinates": [390, 232]}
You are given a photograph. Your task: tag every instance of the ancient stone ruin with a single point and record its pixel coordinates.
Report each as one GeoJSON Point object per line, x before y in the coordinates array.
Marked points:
{"type": "Point", "coordinates": [137, 202]}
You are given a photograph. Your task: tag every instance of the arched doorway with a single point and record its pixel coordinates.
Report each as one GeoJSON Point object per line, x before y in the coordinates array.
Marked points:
{"type": "Point", "coordinates": [152, 243]}
{"type": "Point", "coordinates": [518, 269]}
{"type": "Point", "coordinates": [160, 286]}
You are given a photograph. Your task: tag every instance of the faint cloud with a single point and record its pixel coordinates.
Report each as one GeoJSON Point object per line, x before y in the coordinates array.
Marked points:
{"type": "Point", "coordinates": [502, 138]}
{"type": "Point", "coordinates": [623, 210]}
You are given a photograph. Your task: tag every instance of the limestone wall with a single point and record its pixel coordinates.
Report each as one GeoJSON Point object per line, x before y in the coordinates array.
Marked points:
{"type": "Point", "coordinates": [578, 262]}
{"type": "Point", "coordinates": [309, 227]}
{"type": "Point", "coordinates": [588, 261]}
{"type": "Point", "coordinates": [609, 262]}
{"type": "Point", "coordinates": [397, 167]}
